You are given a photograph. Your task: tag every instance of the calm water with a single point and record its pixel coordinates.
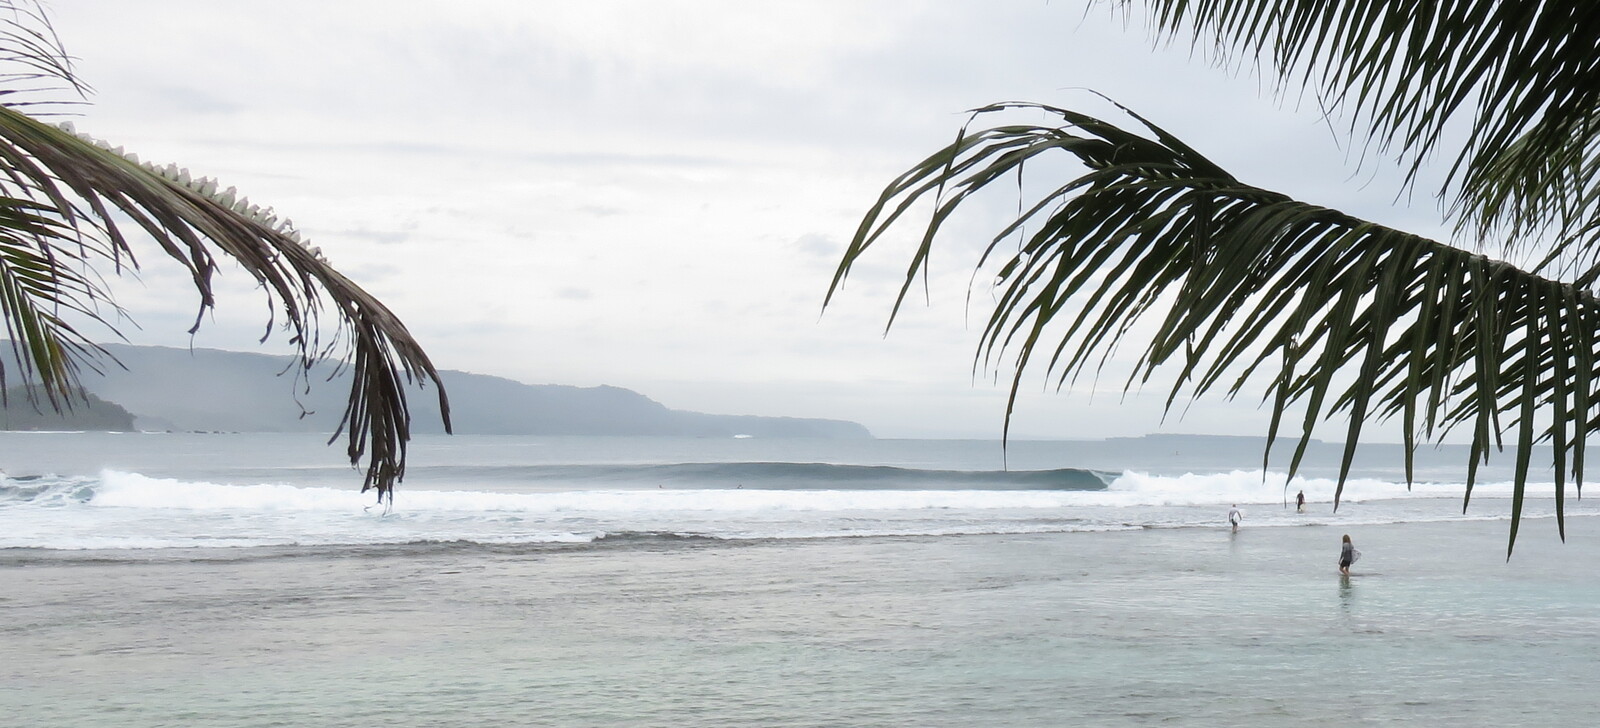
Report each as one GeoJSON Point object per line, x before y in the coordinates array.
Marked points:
{"type": "Point", "coordinates": [596, 583]}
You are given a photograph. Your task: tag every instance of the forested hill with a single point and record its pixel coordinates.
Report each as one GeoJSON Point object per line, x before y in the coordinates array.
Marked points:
{"type": "Point", "coordinates": [212, 390]}
{"type": "Point", "coordinates": [18, 412]}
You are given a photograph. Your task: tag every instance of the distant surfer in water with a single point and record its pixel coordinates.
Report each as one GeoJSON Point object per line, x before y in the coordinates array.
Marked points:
{"type": "Point", "coordinates": [1235, 516]}
{"type": "Point", "coordinates": [1347, 556]}
{"type": "Point", "coordinates": [1300, 501]}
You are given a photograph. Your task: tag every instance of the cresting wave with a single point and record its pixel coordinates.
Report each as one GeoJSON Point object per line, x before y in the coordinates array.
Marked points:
{"type": "Point", "coordinates": [773, 476]}
{"type": "Point", "coordinates": [133, 490]}
{"type": "Point", "coordinates": [121, 510]}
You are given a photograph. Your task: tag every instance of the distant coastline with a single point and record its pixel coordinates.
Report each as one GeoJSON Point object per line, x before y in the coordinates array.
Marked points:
{"type": "Point", "coordinates": [210, 390]}
{"type": "Point", "coordinates": [19, 412]}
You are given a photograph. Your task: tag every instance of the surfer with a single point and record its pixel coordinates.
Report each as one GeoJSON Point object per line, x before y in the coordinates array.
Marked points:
{"type": "Point", "coordinates": [1347, 555]}
{"type": "Point", "coordinates": [1300, 502]}
{"type": "Point", "coordinates": [1235, 516]}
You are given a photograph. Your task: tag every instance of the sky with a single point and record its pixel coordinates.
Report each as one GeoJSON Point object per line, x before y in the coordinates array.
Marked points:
{"type": "Point", "coordinates": [655, 194]}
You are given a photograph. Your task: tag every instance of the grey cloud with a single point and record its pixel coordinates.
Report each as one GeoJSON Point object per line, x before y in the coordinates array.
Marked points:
{"type": "Point", "coordinates": [602, 210]}
{"type": "Point", "coordinates": [381, 237]}
{"type": "Point", "coordinates": [190, 101]}
{"type": "Point", "coordinates": [818, 245]}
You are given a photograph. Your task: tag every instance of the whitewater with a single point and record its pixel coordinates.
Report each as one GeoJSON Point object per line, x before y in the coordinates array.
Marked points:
{"type": "Point", "coordinates": [570, 491]}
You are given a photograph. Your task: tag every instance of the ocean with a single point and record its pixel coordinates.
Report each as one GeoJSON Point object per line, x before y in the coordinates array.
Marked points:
{"type": "Point", "coordinates": [241, 580]}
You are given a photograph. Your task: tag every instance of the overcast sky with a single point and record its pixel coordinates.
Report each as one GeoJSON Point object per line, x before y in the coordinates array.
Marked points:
{"type": "Point", "coordinates": [654, 195]}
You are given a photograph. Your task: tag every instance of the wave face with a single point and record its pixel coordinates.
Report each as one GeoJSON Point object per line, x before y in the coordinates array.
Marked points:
{"type": "Point", "coordinates": [771, 476]}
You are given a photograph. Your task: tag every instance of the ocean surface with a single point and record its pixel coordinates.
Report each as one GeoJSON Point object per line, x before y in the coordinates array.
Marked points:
{"type": "Point", "coordinates": [241, 580]}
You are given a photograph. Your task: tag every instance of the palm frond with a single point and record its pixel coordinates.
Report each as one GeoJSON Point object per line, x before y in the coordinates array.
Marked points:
{"type": "Point", "coordinates": [64, 201]}
{"type": "Point", "coordinates": [40, 281]}
{"type": "Point", "coordinates": [32, 62]}
{"type": "Point", "coordinates": [1520, 79]}
{"type": "Point", "coordinates": [1337, 315]}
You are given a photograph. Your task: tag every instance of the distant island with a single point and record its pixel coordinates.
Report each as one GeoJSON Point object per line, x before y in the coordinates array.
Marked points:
{"type": "Point", "coordinates": [209, 390]}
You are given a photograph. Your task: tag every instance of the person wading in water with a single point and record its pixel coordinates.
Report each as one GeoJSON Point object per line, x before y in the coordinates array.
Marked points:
{"type": "Point", "coordinates": [1347, 556]}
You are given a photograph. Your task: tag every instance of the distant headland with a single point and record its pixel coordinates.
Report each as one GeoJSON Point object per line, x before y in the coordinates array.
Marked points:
{"type": "Point", "coordinates": [209, 390]}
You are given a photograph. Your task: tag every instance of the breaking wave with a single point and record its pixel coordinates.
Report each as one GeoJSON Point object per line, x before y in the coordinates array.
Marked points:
{"type": "Point", "coordinates": [723, 501]}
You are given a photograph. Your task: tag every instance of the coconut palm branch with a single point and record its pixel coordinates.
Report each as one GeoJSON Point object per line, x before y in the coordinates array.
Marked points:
{"type": "Point", "coordinates": [68, 206]}
{"type": "Point", "coordinates": [1229, 284]}
{"type": "Point", "coordinates": [1508, 91]}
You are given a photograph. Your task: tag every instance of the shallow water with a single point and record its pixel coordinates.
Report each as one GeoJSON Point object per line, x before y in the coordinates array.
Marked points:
{"type": "Point", "coordinates": [1184, 627]}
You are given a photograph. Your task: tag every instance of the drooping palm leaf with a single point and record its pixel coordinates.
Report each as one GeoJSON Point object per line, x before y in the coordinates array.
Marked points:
{"type": "Point", "coordinates": [62, 196]}
{"type": "Point", "coordinates": [1328, 312]}
{"type": "Point", "coordinates": [1517, 80]}
{"type": "Point", "coordinates": [39, 281]}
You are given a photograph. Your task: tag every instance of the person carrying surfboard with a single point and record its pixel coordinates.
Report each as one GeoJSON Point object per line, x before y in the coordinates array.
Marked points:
{"type": "Point", "coordinates": [1347, 555]}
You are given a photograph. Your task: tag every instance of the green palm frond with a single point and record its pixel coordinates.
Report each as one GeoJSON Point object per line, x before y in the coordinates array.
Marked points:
{"type": "Point", "coordinates": [39, 281]}
{"type": "Point", "coordinates": [1518, 79]}
{"type": "Point", "coordinates": [1331, 313]}
{"type": "Point", "coordinates": [64, 201]}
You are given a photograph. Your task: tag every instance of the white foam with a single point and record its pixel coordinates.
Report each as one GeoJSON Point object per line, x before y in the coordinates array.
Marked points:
{"type": "Point", "coordinates": [1258, 487]}
{"type": "Point", "coordinates": [130, 510]}
{"type": "Point", "coordinates": [1131, 489]}
{"type": "Point", "coordinates": [132, 490]}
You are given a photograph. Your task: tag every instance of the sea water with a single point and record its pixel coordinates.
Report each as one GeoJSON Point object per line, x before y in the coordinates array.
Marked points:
{"type": "Point", "coordinates": [240, 580]}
